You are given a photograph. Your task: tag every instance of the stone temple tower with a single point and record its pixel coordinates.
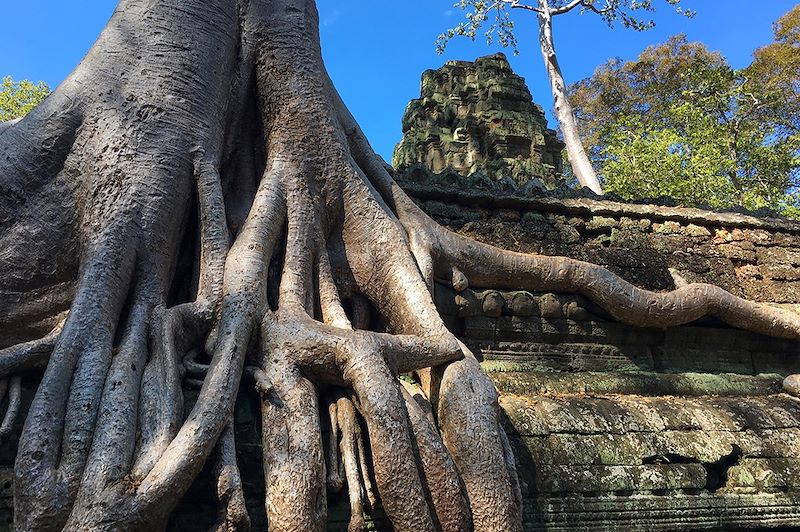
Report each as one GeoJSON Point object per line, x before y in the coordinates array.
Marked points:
{"type": "Point", "coordinates": [479, 117]}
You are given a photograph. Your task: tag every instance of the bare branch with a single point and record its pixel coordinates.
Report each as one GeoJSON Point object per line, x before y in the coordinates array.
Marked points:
{"type": "Point", "coordinates": [572, 5]}
{"type": "Point", "coordinates": [516, 4]}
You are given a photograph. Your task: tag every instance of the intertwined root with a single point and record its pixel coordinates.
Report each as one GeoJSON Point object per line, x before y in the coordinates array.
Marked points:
{"type": "Point", "coordinates": [364, 363]}
{"type": "Point", "coordinates": [81, 453]}
{"type": "Point", "coordinates": [310, 266]}
{"type": "Point", "coordinates": [14, 360]}
{"type": "Point", "coordinates": [233, 515]}
{"type": "Point", "coordinates": [347, 459]}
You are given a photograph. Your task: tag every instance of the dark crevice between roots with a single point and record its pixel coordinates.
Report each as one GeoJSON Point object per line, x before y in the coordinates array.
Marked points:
{"type": "Point", "coordinates": [338, 491]}
{"type": "Point", "coordinates": [244, 163]}
{"type": "Point", "coordinates": [187, 265]}
{"type": "Point", "coordinates": [275, 271]}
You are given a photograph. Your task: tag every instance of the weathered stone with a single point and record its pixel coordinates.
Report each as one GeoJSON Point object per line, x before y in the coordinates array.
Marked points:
{"type": "Point", "coordinates": [601, 223]}
{"type": "Point", "coordinates": [560, 479]}
{"type": "Point", "coordinates": [522, 417]}
{"type": "Point", "coordinates": [550, 306]}
{"type": "Point", "coordinates": [468, 304]}
{"type": "Point", "coordinates": [492, 304]}
{"type": "Point", "coordinates": [765, 473]}
{"type": "Point", "coordinates": [663, 510]}
{"type": "Point", "coordinates": [567, 234]}
{"type": "Point", "coordinates": [523, 304]}
{"type": "Point", "coordinates": [600, 449]}
{"type": "Point", "coordinates": [479, 117]}
{"type": "Point", "coordinates": [739, 251]}
{"type": "Point", "coordinates": [778, 443]}
{"type": "Point", "coordinates": [528, 380]}
{"type": "Point", "coordinates": [696, 231]}
{"type": "Point", "coordinates": [572, 310]}
{"type": "Point", "coordinates": [563, 356]}
{"type": "Point", "coordinates": [780, 272]}
{"type": "Point", "coordinates": [779, 255]}
{"type": "Point", "coordinates": [667, 228]}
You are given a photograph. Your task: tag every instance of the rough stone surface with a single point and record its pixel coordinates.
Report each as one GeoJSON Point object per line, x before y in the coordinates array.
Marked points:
{"type": "Point", "coordinates": [754, 257]}
{"type": "Point", "coordinates": [620, 428]}
{"type": "Point", "coordinates": [479, 117]}
{"type": "Point", "coordinates": [617, 428]}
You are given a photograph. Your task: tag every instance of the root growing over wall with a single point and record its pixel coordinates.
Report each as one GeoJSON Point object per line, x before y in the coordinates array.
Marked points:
{"type": "Point", "coordinates": [196, 190]}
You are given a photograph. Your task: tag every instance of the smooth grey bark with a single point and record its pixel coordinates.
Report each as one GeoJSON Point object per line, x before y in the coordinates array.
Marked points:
{"type": "Point", "coordinates": [195, 203]}
{"type": "Point", "coordinates": [581, 165]}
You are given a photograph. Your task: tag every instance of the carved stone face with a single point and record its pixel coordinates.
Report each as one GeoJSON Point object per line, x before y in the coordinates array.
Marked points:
{"type": "Point", "coordinates": [479, 117]}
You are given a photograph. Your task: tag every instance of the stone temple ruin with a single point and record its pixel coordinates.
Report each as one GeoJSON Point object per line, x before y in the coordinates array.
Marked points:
{"type": "Point", "coordinates": [621, 428]}
{"type": "Point", "coordinates": [614, 427]}
{"type": "Point", "coordinates": [479, 117]}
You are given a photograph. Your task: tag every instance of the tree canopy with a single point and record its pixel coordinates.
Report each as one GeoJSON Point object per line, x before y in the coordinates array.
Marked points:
{"type": "Point", "coordinates": [494, 19]}
{"type": "Point", "coordinates": [679, 121]}
{"type": "Point", "coordinates": [18, 98]}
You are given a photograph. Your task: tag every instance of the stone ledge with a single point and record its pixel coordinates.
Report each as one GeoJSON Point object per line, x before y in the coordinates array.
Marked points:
{"type": "Point", "coordinates": [478, 189]}
{"type": "Point", "coordinates": [669, 511]}
{"type": "Point", "coordinates": [599, 207]}
{"type": "Point", "coordinates": [631, 383]}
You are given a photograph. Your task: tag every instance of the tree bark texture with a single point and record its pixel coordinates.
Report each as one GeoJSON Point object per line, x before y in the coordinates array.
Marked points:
{"type": "Point", "coordinates": [581, 165]}
{"type": "Point", "coordinates": [195, 204]}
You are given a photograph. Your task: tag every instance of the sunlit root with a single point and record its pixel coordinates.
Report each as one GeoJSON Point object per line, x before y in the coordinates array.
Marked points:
{"type": "Point", "coordinates": [334, 465]}
{"type": "Point", "coordinates": [485, 265]}
{"type": "Point", "coordinates": [364, 362]}
{"type": "Point", "coordinates": [59, 429]}
{"type": "Point", "coordinates": [233, 515]}
{"type": "Point", "coordinates": [471, 431]}
{"type": "Point", "coordinates": [447, 496]}
{"type": "Point", "coordinates": [363, 468]}
{"type": "Point", "coordinates": [464, 399]}
{"type": "Point", "coordinates": [351, 434]}
{"type": "Point", "coordinates": [294, 470]}
{"type": "Point", "coordinates": [14, 360]}
{"type": "Point", "coordinates": [172, 332]}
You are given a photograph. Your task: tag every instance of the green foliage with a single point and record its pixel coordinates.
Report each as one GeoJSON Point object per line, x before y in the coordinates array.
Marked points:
{"type": "Point", "coordinates": [18, 98]}
{"type": "Point", "coordinates": [679, 121]}
{"type": "Point", "coordinates": [478, 13]}
{"type": "Point", "coordinates": [776, 68]}
{"type": "Point", "coordinates": [493, 16]}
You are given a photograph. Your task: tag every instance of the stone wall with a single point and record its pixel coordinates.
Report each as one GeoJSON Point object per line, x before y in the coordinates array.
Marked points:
{"type": "Point", "coordinates": [623, 428]}
{"type": "Point", "coordinates": [479, 117]}
{"type": "Point", "coordinates": [620, 428]}
{"type": "Point", "coordinates": [753, 257]}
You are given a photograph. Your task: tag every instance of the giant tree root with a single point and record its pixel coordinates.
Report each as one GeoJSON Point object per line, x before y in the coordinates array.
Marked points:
{"type": "Point", "coordinates": [197, 187]}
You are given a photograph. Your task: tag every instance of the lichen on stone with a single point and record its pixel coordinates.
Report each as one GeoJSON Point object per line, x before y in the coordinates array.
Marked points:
{"type": "Point", "coordinates": [479, 117]}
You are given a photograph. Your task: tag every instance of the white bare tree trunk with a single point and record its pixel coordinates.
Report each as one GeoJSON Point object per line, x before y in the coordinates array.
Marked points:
{"type": "Point", "coordinates": [564, 114]}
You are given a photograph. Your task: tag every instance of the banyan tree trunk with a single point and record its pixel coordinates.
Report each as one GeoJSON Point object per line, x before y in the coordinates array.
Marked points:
{"type": "Point", "coordinates": [195, 202]}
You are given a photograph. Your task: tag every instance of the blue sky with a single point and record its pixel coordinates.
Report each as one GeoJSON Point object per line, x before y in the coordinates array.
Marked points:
{"type": "Point", "coordinates": [375, 51]}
